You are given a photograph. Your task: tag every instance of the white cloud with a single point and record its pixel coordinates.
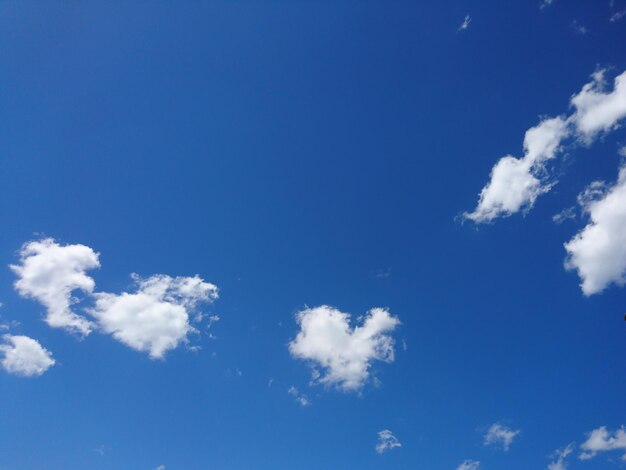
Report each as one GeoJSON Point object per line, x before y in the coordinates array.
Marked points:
{"type": "Point", "coordinates": [24, 356]}
{"type": "Point", "coordinates": [156, 318]}
{"type": "Point", "coordinates": [466, 22]}
{"type": "Point", "coordinates": [469, 465]}
{"type": "Point", "coordinates": [301, 398]}
{"type": "Point", "coordinates": [50, 273]}
{"type": "Point", "coordinates": [601, 440]}
{"type": "Point", "coordinates": [545, 3]}
{"type": "Point", "coordinates": [561, 455]}
{"type": "Point", "coordinates": [516, 183]}
{"type": "Point", "coordinates": [160, 467]}
{"type": "Point", "coordinates": [386, 441]}
{"type": "Point", "coordinates": [617, 16]}
{"type": "Point", "coordinates": [579, 28]}
{"type": "Point", "coordinates": [566, 214]}
{"type": "Point", "coordinates": [598, 110]}
{"type": "Point", "coordinates": [499, 434]}
{"type": "Point", "coordinates": [344, 353]}
{"type": "Point", "coordinates": [598, 251]}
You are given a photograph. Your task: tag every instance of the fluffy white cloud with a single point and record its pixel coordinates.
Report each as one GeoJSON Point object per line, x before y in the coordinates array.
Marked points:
{"type": "Point", "coordinates": [344, 353]}
{"type": "Point", "coordinates": [598, 251]}
{"type": "Point", "coordinates": [386, 441]}
{"type": "Point", "coordinates": [50, 273]}
{"type": "Point", "coordinates": [469, 465]}
{"type": "Point", "coordinates": [499, 434]}
{"type": "Point", "coordinates": [24, 356]}
{"type": "Point", "coordinates": [157, 317]}
{"type": "Point", "coordinates": [601, 440]}
{"type": "Point", "coordinates": [598, 110]}
{"type": "Point", "coordinates": [561, 455]}
{"type": "Point", "coordinates": [516, 183]}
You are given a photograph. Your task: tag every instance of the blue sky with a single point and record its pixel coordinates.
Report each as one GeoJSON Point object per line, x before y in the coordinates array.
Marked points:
{"type": "Point", "coordinates": [211, 187]}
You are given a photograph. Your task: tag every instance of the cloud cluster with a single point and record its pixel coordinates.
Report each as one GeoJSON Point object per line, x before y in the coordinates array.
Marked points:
{"type": "Point", "coordinates": [24, 356]}
{"type": "Point", "coordinates": [343, 353]}
{"type": "Point", "coordinates": [516, 183]}
{"type": "Point", "coordinates": [156, 318]}
{"type": "Point", "coordinates": [598, 251]}
{"type": "Point", "coordinates": [386, 441]}
{"type": "Point", "coordinates": [500, 435]}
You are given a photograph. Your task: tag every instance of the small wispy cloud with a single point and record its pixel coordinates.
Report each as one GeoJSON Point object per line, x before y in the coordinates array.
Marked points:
{"type": "Point", "coordinates": [386, 441]}
{"type": "Point", "coordinates": [469, 465]}
{"type": "Point", "coordinates": [501, 435]}
{"type": "Point", "coordinates": [560, 456]}
{"type": "Point", "coordinates": [466, 22]}
{"type": "Point", "coordinates": [617, 15]}
{"type": "Point", "coordinates": [99, 450]}
{"type": "Point", "coordinates": [579, 28]}
{"type": "Point", "coordinates": [565, 214]}
{"type": "Point", "coordinates": [545, 3]}
{"type": "Point", "coordinates": [301, 398]}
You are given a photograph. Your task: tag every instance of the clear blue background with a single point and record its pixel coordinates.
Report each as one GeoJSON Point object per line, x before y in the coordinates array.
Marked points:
{"type": "Point", "coordinates": [289, 151]}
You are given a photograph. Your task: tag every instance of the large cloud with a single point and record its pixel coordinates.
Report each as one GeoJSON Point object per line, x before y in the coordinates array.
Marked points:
{"type": "Point", "coordinates": [598, 251]}
{"type": "Point", "coordinates": [24, 356]}
{"type": "Point", "coordinates": [157, 317]}
{"type": "Point", "coordinates": [598, 110]}
{"type": "Point", "coordinates": [516, 183]}
{"type": "Point", "coordinates": [49, 273]}
{"type": "Point", "coordinates": [344, 353]}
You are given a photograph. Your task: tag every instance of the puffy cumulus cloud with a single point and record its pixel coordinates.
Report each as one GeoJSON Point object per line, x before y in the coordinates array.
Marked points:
{"type": "Point", "coordinates": [561, 455]}
{"type": "Point", "coordinates": [500, 435]}
{"type": "Point", "coordinates": [157, 317]}
{"type": "Point", "coordinates": [24, 356]}
{"type": "Point", "coordinates": [386, 441]}
{"type": "Point", "coordinates": [598, 110]}
{"type": "Point", "coordinates": [598, 251]}
{"type": "Point", "coordinates": [49, 273]}
{"type": "Point", "coordinates": [344, 353]}
{"type": "Point", "coordinates": [601, 440]}
{"type": "Point", "coordinates": [516, 183]}
{"type": "Point", "coordinates": [469, 465]}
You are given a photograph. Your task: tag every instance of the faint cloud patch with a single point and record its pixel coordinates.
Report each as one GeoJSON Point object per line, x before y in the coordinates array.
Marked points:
{"type": "Point", "coordinates": [469, 465]}
{"type": "Point", "coordinates": [560, 456]}
{"type": "Point", "coordinates": [500, 435]}
{"type": "Point", "coordinates": [565, 214]}
{"type": "Point", "coordinates": [301, 398]}
{"type": "Point", "coordinates": [386, 441]}
{"type": "Point", "coordinates": [579, 28]}
{"type": "Point", "coordinates": [384, 273]}
{"type": "Point", "coordinates": [466, 22]}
